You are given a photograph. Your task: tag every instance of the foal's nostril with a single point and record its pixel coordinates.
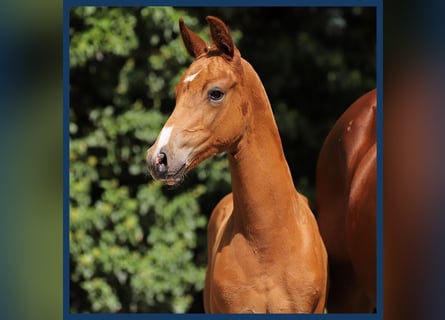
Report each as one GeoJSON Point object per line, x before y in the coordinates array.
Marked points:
{"type": "Point", "coordinates": [161, 162]}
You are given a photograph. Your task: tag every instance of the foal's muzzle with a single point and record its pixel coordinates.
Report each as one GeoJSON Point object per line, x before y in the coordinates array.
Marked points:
{"type": "Point", "coordinates": [166, 169]}
{"type": "Point", "coordinates": [157, 165]}
{"type": "Point", "coordinates": [160, 165]}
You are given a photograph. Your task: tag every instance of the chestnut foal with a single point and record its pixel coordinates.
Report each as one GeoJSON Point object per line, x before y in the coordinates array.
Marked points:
{"type": "Point", "coordinates": [265, 253]}
{"type": "Point", "coordinates": [346, 203]}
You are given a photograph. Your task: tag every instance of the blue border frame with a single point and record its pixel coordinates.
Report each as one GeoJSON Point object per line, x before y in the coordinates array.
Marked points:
{"type": "Point", "coordinates": [378, 4]}
{"type": "Point", "coordinates": [379, 73]}
{"type": "Point", "coordinates": [66, 159]}
{"type": "Point", "coordinates": [224, 3]}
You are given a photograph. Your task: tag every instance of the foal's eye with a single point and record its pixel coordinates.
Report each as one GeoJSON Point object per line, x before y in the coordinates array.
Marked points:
{"type": "Point", "coordinates": [215, 95]}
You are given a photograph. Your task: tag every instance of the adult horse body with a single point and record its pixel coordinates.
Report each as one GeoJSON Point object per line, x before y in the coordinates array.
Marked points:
{"type": "Point", "coordinates": [265, 253]}
{"type": "Point", "coordinates": [346, 207]}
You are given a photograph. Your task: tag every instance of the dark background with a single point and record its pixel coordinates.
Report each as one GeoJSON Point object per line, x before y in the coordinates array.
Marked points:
{"type": "Point", "coordinates": [31, 99]}
{"type": "Point", "coordinates": [294, 50]}
{"type": "Point", "coordinates": [314, 62]}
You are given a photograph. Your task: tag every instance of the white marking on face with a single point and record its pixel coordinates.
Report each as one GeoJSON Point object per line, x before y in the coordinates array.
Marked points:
{"type": "Point", "coordinates": [191, 77]}
{"type": "Point", "coordinates": [164, 136]}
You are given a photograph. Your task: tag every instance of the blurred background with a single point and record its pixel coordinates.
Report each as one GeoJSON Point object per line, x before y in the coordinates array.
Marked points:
{"type": "Point", "coordinates": [135, 245]}
{"type": "Point", "coordinates": [31, 162]}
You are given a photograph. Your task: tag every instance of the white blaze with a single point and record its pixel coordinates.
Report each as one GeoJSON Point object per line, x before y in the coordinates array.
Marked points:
{"type": "Point", "coordinates": [164, 136]}
{"type": "Point", "coordinates": [191, 77]}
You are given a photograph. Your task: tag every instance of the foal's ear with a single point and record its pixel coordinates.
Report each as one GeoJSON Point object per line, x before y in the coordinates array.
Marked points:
{"type": "Point", "coordinates": [193, 43]}
{"type": "Point", "coordinates": [221, 36]}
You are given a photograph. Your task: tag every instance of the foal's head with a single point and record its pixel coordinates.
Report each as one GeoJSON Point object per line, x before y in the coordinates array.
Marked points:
{"type": "Point", "coordinates": [211, 106]}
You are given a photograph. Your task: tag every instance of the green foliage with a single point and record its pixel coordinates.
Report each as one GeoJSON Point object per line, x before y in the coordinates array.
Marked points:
{"type": "Point", "coordinates": [135, 245]}
{"type": "Point", "coordinates": [107, 31]}
{"type": "Point", "coordinates": [132, 243]}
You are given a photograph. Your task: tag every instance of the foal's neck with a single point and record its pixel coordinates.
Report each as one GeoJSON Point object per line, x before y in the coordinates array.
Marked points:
{"type": "Point", "coordinates": [265, 201]}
